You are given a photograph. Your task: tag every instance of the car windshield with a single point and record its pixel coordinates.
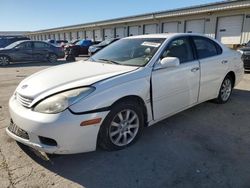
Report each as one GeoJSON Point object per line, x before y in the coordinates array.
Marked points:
{"type": "Point", "coordinates": [130, 51]}
{"type": "Point", "coordinates": [248, 44]}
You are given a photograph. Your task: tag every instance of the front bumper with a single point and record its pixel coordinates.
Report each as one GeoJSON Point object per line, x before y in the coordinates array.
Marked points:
{"type": "Point", "coordinates": [64, 128]}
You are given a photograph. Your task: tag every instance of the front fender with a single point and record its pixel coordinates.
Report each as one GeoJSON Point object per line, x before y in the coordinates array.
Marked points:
{"type": "Point", "coordinates": [109, 91]}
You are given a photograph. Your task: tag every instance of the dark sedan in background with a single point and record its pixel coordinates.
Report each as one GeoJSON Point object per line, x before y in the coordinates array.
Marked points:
{"type": "Point", "coordinates": [80, 48]}
{"type": "Point", "coordinates": [95, 48]}
{"type": "Point", "coordinates": [245, 51]}
{"type": "Point", "coordinates": [30, 51]}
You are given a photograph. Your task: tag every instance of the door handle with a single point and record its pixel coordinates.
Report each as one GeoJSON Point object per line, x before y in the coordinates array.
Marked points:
{"type": "Point", "coordinates": [195, 69]}
{"type": "Point", "coordinates": [224, 62]}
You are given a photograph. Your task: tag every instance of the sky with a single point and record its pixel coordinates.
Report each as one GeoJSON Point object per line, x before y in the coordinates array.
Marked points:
{"type": "Point", "coordinates": [32, 15]}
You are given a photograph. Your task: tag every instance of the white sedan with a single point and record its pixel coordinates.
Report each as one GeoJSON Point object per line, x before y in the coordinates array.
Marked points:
{"type": "Point", "coordinates": [131, 84]}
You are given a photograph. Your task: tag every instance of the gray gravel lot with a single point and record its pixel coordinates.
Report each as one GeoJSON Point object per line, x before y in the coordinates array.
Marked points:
{"type": "Point", "coordinates": [205, 146]}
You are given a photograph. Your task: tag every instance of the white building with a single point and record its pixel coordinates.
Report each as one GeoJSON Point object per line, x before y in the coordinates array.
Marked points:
{"type": "Point", "coordinates": [227, 21]}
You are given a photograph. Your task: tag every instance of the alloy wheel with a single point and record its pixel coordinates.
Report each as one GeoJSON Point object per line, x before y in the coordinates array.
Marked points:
{"type": "Point", "coordinates": [124, 127]}
{"type": "Point", "coordinates": [226, 89]}
{"type": "Point", "coordinates": [4, 60]}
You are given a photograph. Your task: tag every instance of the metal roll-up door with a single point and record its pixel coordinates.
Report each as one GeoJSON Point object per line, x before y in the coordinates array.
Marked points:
{"type": "Point", "coordinates": [120, 32]}
{"type": "Point", "coordinates": [108, 34]}
{"type": "Point", "coordinates": [98, 35]}
{"type": "Point", "coordinates": [229, 29]}
{"type": "Point", "coordinates": [133, 30]}
{"type": "Point", "coordinates": [150, 29]}
{"type": "Point", "coordinates": [74, 35]}
{"type": "Point", "coordinates": [89, 35]}
{"type": "Point", "coordinates": [170, 27]}
{"type": "Point", "coordinates": [195, 26]}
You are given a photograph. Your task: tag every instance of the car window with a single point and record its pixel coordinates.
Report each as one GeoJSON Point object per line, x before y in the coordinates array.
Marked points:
{"type": "Point", "coordinates": [131, 51]}
{"type": "Point", "coordinates": [24, 45]}
{"type": "Point", "coordinates": [181, 49]}
{"type": "Point", "coordinates": [206, 47]}
{"type": "Point", "coordinates": [40, 45]}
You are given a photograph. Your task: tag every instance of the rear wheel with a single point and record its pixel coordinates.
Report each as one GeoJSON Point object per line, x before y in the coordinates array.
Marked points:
{"type": "Point", "coordinates": [52, 58]}
{"type": "Point", "coordinates": [4, 60]}
{"type": "Point", "coordinates": [225, 90]}
{"type": "Point", "coordinates": [122, 126]}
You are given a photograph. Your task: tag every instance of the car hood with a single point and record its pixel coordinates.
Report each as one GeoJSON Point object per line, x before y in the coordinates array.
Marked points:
{"type": "Point", "coordinates": [67, 76]}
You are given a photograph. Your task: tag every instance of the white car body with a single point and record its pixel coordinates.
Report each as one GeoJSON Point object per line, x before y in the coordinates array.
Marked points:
{"type": "Point", "coordinates": [164, 92]}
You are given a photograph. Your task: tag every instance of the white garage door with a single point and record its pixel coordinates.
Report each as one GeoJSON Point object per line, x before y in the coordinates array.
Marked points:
{"type": "Point", "coordinates": [74, 35]}
{"type": "Point", "coordinates": [108, 34]}
{"type": "Point", "coordinates": [195, 26]}
{"type": "Point", "coordinates": [68, 37]}
{"type": "Point", "coordinates": [61, 36]}
{"type": "Point", "coordinates": [120, 32]}
{"type": "Point", "coordinates": [150, 29]}
{"type": "Point", "coordinates": [98, 35]}
{"type": "Point", "coordinates": [229, 29]}
{"type": "Point", "coordinates": [89, 35]}
{"type": "Point", "coordinates": [133, 30]}
{"type": "Point", "coordinates": [57, 36]}
{"type": "Point", "coordinates": [170, 27]}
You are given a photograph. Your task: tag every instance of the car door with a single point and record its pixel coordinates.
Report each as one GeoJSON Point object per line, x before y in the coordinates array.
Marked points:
{"type": "Point", "coordinates": [22, 52]}
{"type": "Point", "coordinates": [213, 66]}
{"type": "Point", "coordinates": [176, 88]}
{"type": "Point", "coordinates": [40, 51]}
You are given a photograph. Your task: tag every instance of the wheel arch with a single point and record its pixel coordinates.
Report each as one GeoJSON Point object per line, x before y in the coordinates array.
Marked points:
{"type": "Point", "coordinates": [6, 56]}
{"type": "Point", "coordinates": [138, 100]}
{"type": "Point", "coordinates": [232, 75]}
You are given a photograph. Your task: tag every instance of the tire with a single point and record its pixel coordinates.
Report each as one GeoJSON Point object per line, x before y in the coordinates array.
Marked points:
{"type": "Point", "coordinates": [225, 90]}
{"type": "Point", "coordinates": [125, 118]}
{"type": "Point", "coordinates": [4, 60]}
{"type": "Point", "coordinates": [52, 58]}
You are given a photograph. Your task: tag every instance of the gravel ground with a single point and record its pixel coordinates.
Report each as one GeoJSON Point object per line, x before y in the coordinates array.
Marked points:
{"type": "Point", "coordinates": [205, 146]}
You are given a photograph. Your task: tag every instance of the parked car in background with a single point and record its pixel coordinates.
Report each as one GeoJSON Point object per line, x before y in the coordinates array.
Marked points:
{"type": "Point", "coordinates": [95, 48]}
{"type": "Point", "coordinates": [60, 43]}
{"type": "Point", "coordinates": [80, 48]}
{"type": "Point", "coordinates": [7, 40]}
{"type": "Point", "coordinates": [28, 50]}
{"type": "Point", "coordinates": [71, 43]}
{"type": "Point", "coordinates": [245, 51]}
{"type": "Point", "coordinates": [109, 99]}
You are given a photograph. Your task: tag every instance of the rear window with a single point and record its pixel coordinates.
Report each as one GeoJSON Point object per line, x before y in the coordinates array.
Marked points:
{"type": "Point", "coordinates": [206, 47]}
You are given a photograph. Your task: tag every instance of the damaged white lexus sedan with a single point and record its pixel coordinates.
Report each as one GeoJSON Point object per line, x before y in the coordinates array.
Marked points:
{"type": "Point", "coordinates": [107, 100]}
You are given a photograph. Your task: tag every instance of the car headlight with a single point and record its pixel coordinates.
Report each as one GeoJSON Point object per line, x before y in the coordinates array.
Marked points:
{"type": "Point", "coordinates": [59, 102]}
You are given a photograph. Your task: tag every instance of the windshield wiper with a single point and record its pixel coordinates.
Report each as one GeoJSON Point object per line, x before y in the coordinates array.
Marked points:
{"type": "Point", "coordinates": [109, 61]}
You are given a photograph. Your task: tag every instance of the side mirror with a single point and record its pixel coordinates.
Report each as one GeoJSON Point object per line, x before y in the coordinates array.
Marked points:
{"type": "Point", "coordinates": [244, 44]}
{"type": "Point", "coordinates": [168, 62]}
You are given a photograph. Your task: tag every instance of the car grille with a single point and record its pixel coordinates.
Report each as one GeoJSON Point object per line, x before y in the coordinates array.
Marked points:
{"type": "Point", "coordinates": [18, 131]}
{"type": "Point", "coordinates": [24, 101]}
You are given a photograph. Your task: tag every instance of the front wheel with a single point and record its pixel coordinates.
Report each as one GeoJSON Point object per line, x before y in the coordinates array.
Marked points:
{"type": "Point", "coordinates": [122, 126]}
{"type": "Point", "coordinates": [225, 90]}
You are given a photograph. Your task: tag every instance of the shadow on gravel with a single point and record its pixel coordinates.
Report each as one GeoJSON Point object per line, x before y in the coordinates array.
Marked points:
{"type": "Point", "coordinates": [205, 146]}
